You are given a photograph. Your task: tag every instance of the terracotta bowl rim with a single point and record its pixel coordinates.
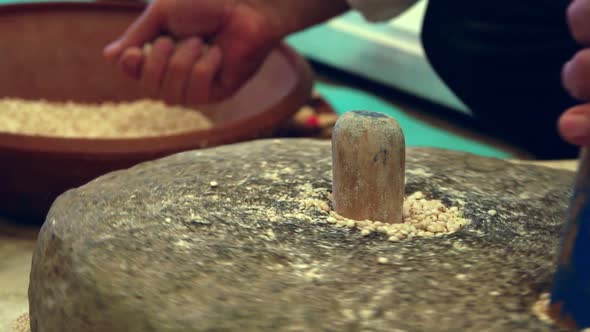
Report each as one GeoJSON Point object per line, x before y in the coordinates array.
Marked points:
{"type": "Point", "coordinates": [258, 122]}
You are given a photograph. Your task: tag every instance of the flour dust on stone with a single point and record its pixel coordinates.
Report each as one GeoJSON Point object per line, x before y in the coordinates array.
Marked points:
{"type": "Point", "coordinates": [422, 217]}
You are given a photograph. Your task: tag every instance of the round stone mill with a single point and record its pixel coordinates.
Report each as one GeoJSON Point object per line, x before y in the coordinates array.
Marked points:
{"type": "Point", "coordinates": [358, 234]}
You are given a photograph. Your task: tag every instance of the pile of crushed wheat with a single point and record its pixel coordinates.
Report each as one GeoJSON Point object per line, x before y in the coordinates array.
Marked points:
{"type": "Point", "coordinates": [142, 118]}
{"type": "Point", "coordinates": [421, 218]}
{"type": "Point", "coordinates": [21, 324]}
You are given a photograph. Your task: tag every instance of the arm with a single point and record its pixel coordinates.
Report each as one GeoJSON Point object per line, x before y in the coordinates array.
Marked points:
{"type": "Point", "coordinates": [381, 10]}
{"type": "Point", "coordinates": [220, 44]}
{"type": "Point", "coordinates": [239, 35]}
{"type": "Point", "coordinates": [297, 15]}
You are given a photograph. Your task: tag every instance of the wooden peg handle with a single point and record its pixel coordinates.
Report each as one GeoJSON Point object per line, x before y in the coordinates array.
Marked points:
{"type": "Point", "coordinates": [368, 166]}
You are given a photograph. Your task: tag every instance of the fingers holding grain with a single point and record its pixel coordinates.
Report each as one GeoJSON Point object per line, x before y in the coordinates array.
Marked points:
{"type": "Point", "coordinates": [179, 70]}
{"type": "Point", "coordinates": [131, 62]}
{"type": "Point", "coordinates": [156, 61]}
{"type": "Point", "coordinates": [202, 78]}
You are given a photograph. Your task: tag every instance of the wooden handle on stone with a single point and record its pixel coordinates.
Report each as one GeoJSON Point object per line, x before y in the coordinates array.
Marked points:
{"type": "Point", "coordinates": [368, 166]}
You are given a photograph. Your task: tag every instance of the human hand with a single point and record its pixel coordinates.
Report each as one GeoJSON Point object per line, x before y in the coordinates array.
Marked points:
{"type": "Point", "coordinates": [574, 124]}
{"type": "Point", "coordinates": [240, 35]}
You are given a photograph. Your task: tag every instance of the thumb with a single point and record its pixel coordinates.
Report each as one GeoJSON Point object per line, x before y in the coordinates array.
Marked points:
{"type": "Point", "coordinates": [145, 28]}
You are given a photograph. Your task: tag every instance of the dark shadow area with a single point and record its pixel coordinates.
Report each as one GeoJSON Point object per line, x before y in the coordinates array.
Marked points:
{"type": "Point", "coordinates": [432, 113]}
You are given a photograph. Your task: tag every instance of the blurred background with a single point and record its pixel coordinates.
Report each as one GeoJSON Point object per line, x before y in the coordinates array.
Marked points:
{"type": "Point", "coordinates": [382, 67]}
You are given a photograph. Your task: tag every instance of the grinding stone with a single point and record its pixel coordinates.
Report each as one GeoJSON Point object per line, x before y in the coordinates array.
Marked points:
{"type": "Point", "coordinates": [159, 247]}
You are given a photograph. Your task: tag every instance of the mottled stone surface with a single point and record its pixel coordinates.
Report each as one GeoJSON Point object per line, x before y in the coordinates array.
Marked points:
{"type": "Point", "coordinates": [159, 248]}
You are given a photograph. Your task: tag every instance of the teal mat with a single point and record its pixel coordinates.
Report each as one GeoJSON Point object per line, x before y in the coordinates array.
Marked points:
{"type": "Point", "coordinates": [417, 132]}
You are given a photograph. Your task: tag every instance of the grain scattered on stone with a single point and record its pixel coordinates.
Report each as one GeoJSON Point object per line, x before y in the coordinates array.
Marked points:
{"type": "Point", "coordinates": [460, 246]}
{"type": "Point", "coordinates": [270, 234]}
{"type": "Point", "coordinates": [135, 119]}
{"type": "Point", "coordinates": [182, 244]}
{"type": "Point", "coordinates": [393, 239]}
{"type": "Point", "coordinates": [461, 276]}
{"type": "Point", "coordinates": [423, 218]}
{"type": "Point", "coordinates": [348, 314]}
{"type": "Point", "coordinates": [213, 184]}
{"type": "Point", "coordinates": [492, 212]}
{"type": "Point", "coordinates": [21, 324]}
{"type": "Point", "coordinates": [382, 260]}
{"type": "Point", "coordinates": [541, 308]}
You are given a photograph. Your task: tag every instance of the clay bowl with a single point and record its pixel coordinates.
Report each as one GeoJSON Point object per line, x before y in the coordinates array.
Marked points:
{"type": "Point", "coordinates": [53, 51]}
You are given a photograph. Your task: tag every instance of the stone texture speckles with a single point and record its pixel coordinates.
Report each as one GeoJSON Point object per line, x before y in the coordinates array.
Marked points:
{"type": "Point", "coordinates": [157, 248]}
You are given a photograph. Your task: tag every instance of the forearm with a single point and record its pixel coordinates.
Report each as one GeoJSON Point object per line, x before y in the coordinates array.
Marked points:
{"type": "Point", "coordinates": [296, 15]}
{"type": "Point", "coordinates": [380, 10]}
